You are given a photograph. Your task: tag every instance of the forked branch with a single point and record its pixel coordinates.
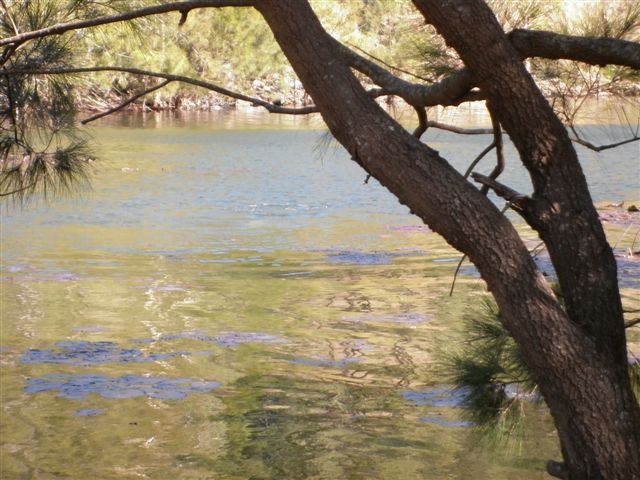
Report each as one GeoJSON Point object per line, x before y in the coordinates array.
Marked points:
{"type": "Point", "coordinates": [598, 148]}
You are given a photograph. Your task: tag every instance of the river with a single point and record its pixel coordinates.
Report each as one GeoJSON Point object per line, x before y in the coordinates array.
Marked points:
{"type": "Point", "coordinates": [231, 300]}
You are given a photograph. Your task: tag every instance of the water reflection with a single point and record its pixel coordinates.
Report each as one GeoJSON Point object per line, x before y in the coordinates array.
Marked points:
{"type": "Point", "coordinates": [79, 387]}
{"type": "Point", "coordinates": [322, 301]}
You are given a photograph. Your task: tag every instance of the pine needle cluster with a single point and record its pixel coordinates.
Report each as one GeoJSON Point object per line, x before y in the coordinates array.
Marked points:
{"type": "Point", "coordinates": [499, 387]}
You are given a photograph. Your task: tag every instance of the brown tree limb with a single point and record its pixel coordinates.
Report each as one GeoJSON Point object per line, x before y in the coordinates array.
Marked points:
{"type": "Point", "coordinates": [271, 107]}
{"type": "Point", "coordinates": [517, 199]}
{"type": "Point", "coordinates": [462, 131]}
{"type": "Point", "coordinates": [125, 103]}
{"type": "Point", "coordinates": [632, 323]}
{"type": "Point", "coordinates": [122, 17]}
{"type": "Point", "coordinates": [593, 51]}
{"type": "Point", "coordinates": [444, 92]}
{"type": "Point", "coordinates": [423, 122]}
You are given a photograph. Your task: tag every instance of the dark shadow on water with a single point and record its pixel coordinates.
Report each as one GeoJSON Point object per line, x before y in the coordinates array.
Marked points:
{"type": "Point", "coordinates": [223, 339]}
{"type": "Point", "coordinates": [79, 353]}
{"type": "Point", "coordinates": [79, 387]}
{"type": "Point", "coordinates": [438, 397]}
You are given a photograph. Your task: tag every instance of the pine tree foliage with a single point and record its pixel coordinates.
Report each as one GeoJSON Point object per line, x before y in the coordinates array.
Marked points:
{"type": "Point", "coordinates": [41, 150]}
{"type": "Point", "coordinates": [491, 370]}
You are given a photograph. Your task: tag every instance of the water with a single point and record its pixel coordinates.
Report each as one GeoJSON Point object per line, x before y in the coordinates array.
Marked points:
{"type": "Point", "coordinates": [231, 301]}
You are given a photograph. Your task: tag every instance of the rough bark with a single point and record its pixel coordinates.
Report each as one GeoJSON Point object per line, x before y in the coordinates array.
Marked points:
{"type": "Point", "coordinates": [580, 378]}
{"type": "Point", "coordinates": [592, 50]}
{"type": "Point", "coordinates": [529, 43]}
{"type": "Point", "coordinates": [596, 444]}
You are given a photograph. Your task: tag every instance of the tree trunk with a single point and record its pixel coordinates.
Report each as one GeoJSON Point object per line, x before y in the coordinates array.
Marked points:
{"type": "Point", "coordinates": [578, 358]}
{"type": "Point", "coordinates": [562, 211]}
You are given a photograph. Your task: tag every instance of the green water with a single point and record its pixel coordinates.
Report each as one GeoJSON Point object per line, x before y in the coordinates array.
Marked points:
{"type": "Point", "coordinates": [245, 251]}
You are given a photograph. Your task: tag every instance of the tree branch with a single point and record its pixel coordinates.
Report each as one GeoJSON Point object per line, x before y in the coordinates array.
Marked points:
{"type": "Point", "coordinates": [599, 148]}
{"type": "Point", "coordinates": [271, 107]}
{"type": "Point", "coordinates": [478, 158]}
{"type": "Point", "coordinates": [423, 122]}
{"type": "Point", "coordinates": [593, 51]}
{"type": "Point", "coordinates": [406, 72]}
{"type": "Point", "coordinates": [143, 12]}
{"type": "Point", "coordinates": [497, 140]}
{"type": "Point", "coordinates": [450, 91]}
{"type": "Point", "coordinates": [632, 323]}
{"type": "Point", "coordinates": [453, 89]}
{"type": "Point", "coordinates": [125, 103]}
{"type": "Point", "coordinates": [10, 17]}
{"type": "Point", "coordinates": [462, 131]}
{"type": "Point", "coordinates": [19, 190]}
{"type": "Point", "coordinates": [517, 199]}
{"type": "Point", "coordinates": [444, 92]}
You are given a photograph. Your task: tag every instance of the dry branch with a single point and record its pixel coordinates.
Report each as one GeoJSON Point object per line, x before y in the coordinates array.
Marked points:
{"type": "Point", "coordinates": [125, 103]}
{"type": "Point", "coordinates": [599, 148]}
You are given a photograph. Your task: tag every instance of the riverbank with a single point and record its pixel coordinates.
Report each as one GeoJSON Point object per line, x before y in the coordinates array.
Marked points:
{"type": "Point", "coordinates": [95, 99]}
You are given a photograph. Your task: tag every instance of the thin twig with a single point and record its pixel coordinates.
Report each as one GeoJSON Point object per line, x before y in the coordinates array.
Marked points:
{"type": "Point", "coordinates": [478, 158]}
{"type": "Point", "coordinates": [497, 140]}
{"type": "Point", "coordinates": [397, 69]}
{"type": "Point", "coordinates": [125, 103]}
{"type": "Point", "coordinates": [536, 250]}
{"type": "Point", "coordinates": [455, 274]}
{"type": "Point", "coordinates": [462, 259]}
{"type": "Point", "coordinates": [599, 148]}
{"type": "Point", "coordinates": [10, 17]}
{"type": "Point", "coordinates": [632, 323]}
{"type": "Point", "coordinates": [22, 189]}
{"type": "Point", "coordinates": [7, 53]}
